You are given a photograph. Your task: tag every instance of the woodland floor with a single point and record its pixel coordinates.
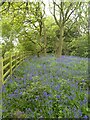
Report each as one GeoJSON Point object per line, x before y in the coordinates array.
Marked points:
{"type": "Point", "coordinates": [47, 87]}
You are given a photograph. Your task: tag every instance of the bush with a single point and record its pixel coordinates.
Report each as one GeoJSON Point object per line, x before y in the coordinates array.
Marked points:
{"type": "Point", "coordinates": [78, 47]}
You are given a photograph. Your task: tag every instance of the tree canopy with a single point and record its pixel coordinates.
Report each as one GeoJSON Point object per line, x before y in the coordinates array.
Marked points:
{"type": "Point", "coordinates": [27, 27]}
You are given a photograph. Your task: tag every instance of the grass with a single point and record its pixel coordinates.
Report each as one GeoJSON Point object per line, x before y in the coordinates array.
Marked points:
{"type": "Point", "coordinates": [48, 87]}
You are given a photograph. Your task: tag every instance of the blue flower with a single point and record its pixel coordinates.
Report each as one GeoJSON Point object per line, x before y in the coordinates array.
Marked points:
{"type": "Point", "coordinates": [37, 97]}
{"type": "Point", "coordinates": [30, 77]}
{"type": "Point", "coordinates": [45, 94]}
{"type": "Point", "coordinates": [85, 117]}
{"type": "Point", "coordinates": [58, 96]}
{"type": "Point", "coordinates": [3, 89]}
{"type": "Point", "coordinates": [50, 112]}
{"type": "Point", "coordinates": [16, 91]}
{"type": "Point", "coordinates": [83, 80]}
{"type": "Point", "coordinates": [28, 110]}
{"type": "Point", "coordinates": [85, 100]}
{"type": "Point", "coordinates": [50, 101]}
{"type": "Point", "coordinates": [11, 81]}
{"type": "Point", "coordinates": [80, 113]}
{"type": "Point", "coordinates": [3, 110]}
{"type": "Point", "coordinates": [20, 93]}
{"type": "Point", "coordinates": [57, 87]}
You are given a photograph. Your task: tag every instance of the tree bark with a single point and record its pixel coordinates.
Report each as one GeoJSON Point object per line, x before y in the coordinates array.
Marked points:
{"type": "Point", "coordinates": [45, 40]}
{"type": "Point", "coordinates": [60, 43]}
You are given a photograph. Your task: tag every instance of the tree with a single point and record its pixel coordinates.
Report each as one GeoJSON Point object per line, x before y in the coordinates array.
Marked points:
{"type": "Point", "coordinates": [26, 23]}
{"type": "Point", "coordinates": [62, 12]}
{"type": "Point", "coordinates": [26, 17]}
{"type": "Point", "coordinates": [51, 29]}
{"type": "Point", "coordinates": [38, 14]}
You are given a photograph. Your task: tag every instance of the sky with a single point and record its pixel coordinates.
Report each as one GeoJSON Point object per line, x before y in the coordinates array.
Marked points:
{"type": "Point", "coordinates": [47, 6]}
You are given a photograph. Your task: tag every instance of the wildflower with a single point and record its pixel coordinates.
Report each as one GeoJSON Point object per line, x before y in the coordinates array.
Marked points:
{"type": "Point", "coordinates": [85, 117]}
{"type": "Point", "coordinates": [85, 100]}
{"type": "Point", "coordinates": [28, 110]}
{"type": "Point", "coordinates": [80, 113]}
{"type": "Point", "coordinates": [83, 80]}
{"type": "Point", "coordinates": [50, 101]}
{"type": "Point", "coordinates": [16, 91]}
{"type": "Point", "coordinates": [45, 94]}
{"type": "Point", "coordinates": [57, 87]}
{"type": "Point", "coordinates": [70, 97]}
{"type": "Point", "coordinates": [37, 97]}
{"type": "Point", "coordinates": [11, 81]}
{"type": "Point", "coordinates": [30, 77]}
{"type": "Point", "coordinates": [3, 111]}
{"type": "Point", "coordinates": [58, 96]}
{"type": "Point", "coordinates": [20, 93]}
{"type": "Point", "coordinates": [50, 112]}
{"type": "Point", "coordinates": [3, 89]}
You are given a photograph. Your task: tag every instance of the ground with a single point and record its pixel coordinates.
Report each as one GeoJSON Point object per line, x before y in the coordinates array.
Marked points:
{"type": "Point", "coordinates": [48, 87]}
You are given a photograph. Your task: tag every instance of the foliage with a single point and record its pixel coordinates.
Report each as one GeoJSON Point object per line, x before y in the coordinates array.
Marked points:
{"type": "Point", "coordinates": [47, 87]}
{"type": "Point", "coordinates": [25, 24]}
{"type": "Point", "coordinates": [79, 46]}
{"type": "Point", "coordinates": [51, 29]}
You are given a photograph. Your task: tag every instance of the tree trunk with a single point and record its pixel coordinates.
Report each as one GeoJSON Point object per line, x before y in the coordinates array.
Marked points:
{"type": "Point", "coordinates": [60, 43]}
{"type": "Point", "coordinates": [45, 40]}
{"type": "Point", "coordinates": [39, 41]}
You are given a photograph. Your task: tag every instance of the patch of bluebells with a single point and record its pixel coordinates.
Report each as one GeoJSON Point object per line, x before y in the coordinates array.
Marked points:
{"type": "Point", "coordinates": [48, 87]}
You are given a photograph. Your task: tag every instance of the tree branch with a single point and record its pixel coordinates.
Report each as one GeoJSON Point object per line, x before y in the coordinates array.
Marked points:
{"type": "Point", "coordinates": [55, 14]}
{"type": "Point", "coordinates": [3, 1]}
{"type": "Point", "coordinates": [26, 4]}
{"type": "Point", "coordinates": [77, 5]}
{"type": "Point", "coordinates": [62, 13]}
{"type": "Point", "coordinates": [32, 40]}
{"type": "Point", "coordinates": [30, 21]}
{"type": "Point", "coordinates": [68, 9]}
